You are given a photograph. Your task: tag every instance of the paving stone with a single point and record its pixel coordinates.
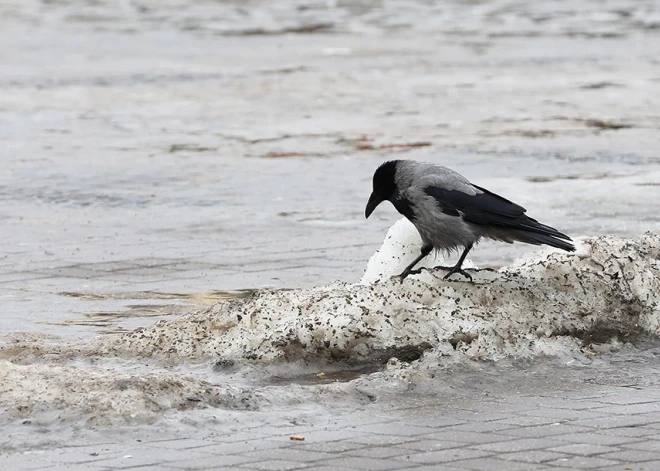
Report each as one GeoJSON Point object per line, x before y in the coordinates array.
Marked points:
{"type": "Point", "coordinates": [648, 445]}
{"type": "Point", "coordinates": [179, 444]}
{"type": "Point", "coordinates": [205, 462]}
{"type": "Point", "coordinates": [140, 458]}
{"type": "Point", "coordinates": [598, 438]}
{"type": "Point", "coordinates": [339, 446]}
{"type": "Point", "coordinates": [332, 435]}
{"type": "Point", "coordinates": [433, 422]}
{"type": "Point", "coordinates": [436, 467]}
{"type": "Point", "coordinates": [482, 427]}
{"type": "Point", "coordinates": [532, 456]}
{"type": "Point", "coordinates": [527, 421]}
{"type": "Point", "coordinates": [547, 430]}
{"type": "Point", "coordinates": [430, 445]}
{"type": "Point", "coordinates": [647, 466]}
{"type": "Point", "coordinates": [629, 398]}
{"type": "Point", "coordinates": [583, 462]}
{"type": "Point", "coordinates": [565, 414]}
{"type": "Point", "coordinates": [520, 445]}
{"type": "Point", "coordinates": [632, 456]}
{"type": "Point", "coordinates": [583, 449]}
{"type": "Point", "coordinates": [643, 408]}
{"type": "Point", "coordinates": [378, 452]}
{"type": "Point", "coordinates": [276, 465]}
{"type": "Point", "coordinates": [234, 448]}
{"type": "Point", "coordinates": [372, 464]}
{"type": "Point", "coordinates": [290, 454]}
{"type": "Point", "coordinates": [468, 437]}
{"type": "Point", "coordinates": [493, 464]}
{"type": "Point", "coordinates": [395, 429]}
{"type": "Point", "coordinates": [637, 432]}
{"type": "Point", "coordinates": [379, 440]}
{"type": "Point", "coordinates": [614, 421]}
{"type": "Point", "coordinates": [442, 456]}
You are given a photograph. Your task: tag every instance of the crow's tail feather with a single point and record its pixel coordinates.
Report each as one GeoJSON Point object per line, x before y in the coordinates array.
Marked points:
{"type": "Point", "coordinates": [551, 240]}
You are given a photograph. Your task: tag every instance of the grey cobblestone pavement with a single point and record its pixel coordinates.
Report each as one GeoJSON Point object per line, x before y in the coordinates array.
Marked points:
{"type": "Point", "coordinates": [607, 429]}
{"type": "Point", "coordinates": [158, 158]}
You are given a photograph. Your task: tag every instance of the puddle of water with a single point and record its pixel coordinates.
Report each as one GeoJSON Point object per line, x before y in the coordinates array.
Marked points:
{"type": "Point", "coordinates": [109, 319]}
{"type": "Point", "coordinates": [326, 376]}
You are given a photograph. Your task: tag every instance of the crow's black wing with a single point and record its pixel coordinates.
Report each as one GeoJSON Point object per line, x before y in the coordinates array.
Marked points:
{"type": "Point", "coordinates": [488, 209]}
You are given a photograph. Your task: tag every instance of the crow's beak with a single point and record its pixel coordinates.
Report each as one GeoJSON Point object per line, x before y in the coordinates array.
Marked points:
{"type": "Point", "coordinates": [374, 201]}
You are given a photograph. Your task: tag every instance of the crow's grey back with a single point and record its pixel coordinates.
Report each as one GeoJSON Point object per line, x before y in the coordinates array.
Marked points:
{"type": "Point", "coordinates": [410, 173]}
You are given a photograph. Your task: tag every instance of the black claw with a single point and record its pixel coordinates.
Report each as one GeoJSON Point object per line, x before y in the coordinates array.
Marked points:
{"type": "Point", "coordinates": [460, 271]}
{"type": "Point", "coordinates": [409, 272]}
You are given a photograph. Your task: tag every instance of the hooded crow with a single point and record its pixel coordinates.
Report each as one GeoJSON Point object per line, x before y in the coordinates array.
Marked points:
{"type": "Point", "coordinates": [450, 213]}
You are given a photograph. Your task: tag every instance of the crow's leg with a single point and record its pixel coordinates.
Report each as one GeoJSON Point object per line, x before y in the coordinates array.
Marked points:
{"type": "Point", "coordinates": [426, 249]}
{"type": "Point", "coordinates": [457, 268]}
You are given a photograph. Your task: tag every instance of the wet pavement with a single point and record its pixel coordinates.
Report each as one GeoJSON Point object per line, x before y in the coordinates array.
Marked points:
{"type": "Point", "coordinates": [158, 157]}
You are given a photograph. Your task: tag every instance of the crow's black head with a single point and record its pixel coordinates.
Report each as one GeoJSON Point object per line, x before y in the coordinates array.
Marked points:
{"type": "Point", "coordinates": [384, 186]}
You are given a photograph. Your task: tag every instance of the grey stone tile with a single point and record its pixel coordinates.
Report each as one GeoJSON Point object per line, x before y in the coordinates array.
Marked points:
{"type": "Point", "coordinates": [527, 421]}
{"type": "Point", "coordinates": [583, 449]}
{"type": "Point", "coordinates": [565, 414]}
{"type": "Point", "coordinates": [437, 467]}
{"type": "Point", "coordinates": [547, 430]}
{"type": "Point", "coordinates": [205, 461]}
{"type": "Point", "coordinates": [8, 278]}
{"type": "Point", "coordinates": [332, 435]}
{"type": "Point", "coordinates": [493, 464]}
{"type": "Point", "coordinates": [583, 462]}
{"type": "Point", "coordinates": [571, 403]}
{"type": "Point", "coordinates": [234, 448]}
{"type": "Point", "coordinates": [92, 467]}
{"type": "Point", "coordinates": [628, 431]}
{"type": "Point", "coordinates": [433, 422]}
{"type": "Point", "coordinates": [483, 427]}
{"type": "Point", "coordinates": [430, 445]}
{"type": "Point", "coordinates": [631, 409]}
{"type": "Point", "coordinates": [645, 466]}
{"type": "Point", "coordinates": [649, 445]}
{"type": "Point", "coordinates": [394, 429]}
{"type": "Point", "coordinates": [70, 272]}
{"type": "Point", "coordinates": [372, 464]}
{"type": "Point", "coordinates": [597, 438]}
{"type": "Point", "coordinates": [179, 444]}
{"type": "Point", "coordinates": [442, 456]}
{"type": "Point", "coordinates": [277, 465]}
{"type": "Point", "coordinates": [632, 456]}
{"type": "Point", "coordinates": [290, 454]}
{"type": "Point", "coordinates": [629, 398]}
{"type": "Point", "coordinates": [140, 458]}
{"type": "Point", "coordinates": [156, 467]}
{"type": "Point", "coordinates": [614, 421]}
{"type": "Point", "coordinates": [469, 437]}
{"type": "Point", "coordinates": [520, 445]}
{"type": "Point", "coordinates": [339, 446]}
{"type": "Point", "coordinates": [378, 440]}
{"type": "Point", "coordinates": [244, 436]}
{"type": "Point", "coordinates": [532, 456]}
{"type": "Point", "coordinates": [379, 452]}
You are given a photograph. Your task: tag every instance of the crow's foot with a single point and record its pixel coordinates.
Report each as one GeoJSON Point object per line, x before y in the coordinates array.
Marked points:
{"type": "Point", "coordinates": [407, 272]}
{"type": "Point", "coordinates": [458, 270]}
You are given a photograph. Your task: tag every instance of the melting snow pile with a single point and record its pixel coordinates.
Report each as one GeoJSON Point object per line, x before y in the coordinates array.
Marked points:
{"type": "Point", "coordinates": [37, 390]}
{"type": "Point", "coordinates": [547, 303]}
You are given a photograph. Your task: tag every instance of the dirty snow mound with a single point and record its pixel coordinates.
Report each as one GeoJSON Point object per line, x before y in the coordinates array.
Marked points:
{"type": "Point", "coordinates": [548, 303]}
